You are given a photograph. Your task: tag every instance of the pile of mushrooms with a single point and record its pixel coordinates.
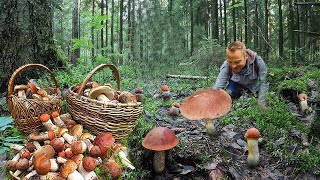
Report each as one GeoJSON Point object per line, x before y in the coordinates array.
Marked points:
{"type": "Point", "coordinates": [105, 93]}
{"type": "Point", "coordinates": [31, 91]}
{"type": "Point", "coordinates": [206, 104]}
{"type": "Point", "coordinates": [65, 151]}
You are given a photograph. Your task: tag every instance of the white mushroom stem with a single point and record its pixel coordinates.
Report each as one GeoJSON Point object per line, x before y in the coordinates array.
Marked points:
{"type": "Point", "coordinates": [103, 98]}
{"type": "Point", "coordinates": [88, 144]}
{"type": "Point", "coordinates": [50, 175]}
{"type": "Point", "coordinates": [16, 157]}
{"type": "Point", "coordinates": [75, 175]}
{"type": "Point", "coordinates": [37, 144]}
{"type": "Point", "coordinates": [253, 152]}
{"type": "Point", "coordinates": [32, 173]}
{"type": "Point", "coordinates": [70, 139]}
{"type": "Point", "coordinates": [12, 174]}
{"type": "Point", "coordinates": [16, 147]}
{"type": "Point", "coordinates": [210, 126]}
{"type": "Point", "coordinates": [304, 105]}
{"type": "Point", "coordinates": [39, 136]}
{"type": "Point", "coordinates": [17, 173]}
{"type": "Point", "coordinates": [85, 174]}
{"type": "Point", "coordinates": [159, 161]}
{"type": "Point", "coordinates": [54, 165]}
{"type": "Point", "coordinates": [123, 153]}
{"type": "Point", "coordinates": [61, 160]}
{"type": "Point", "coordinates": [57, 120]}
{"type": "Point", "coordinates": [30, 168]}
{"type": "Point", "coordinates": [49, 125]}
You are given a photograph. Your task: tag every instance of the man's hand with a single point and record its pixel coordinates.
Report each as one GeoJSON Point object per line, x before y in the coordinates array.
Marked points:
{"type": "Point", "coordinates": [264, 108]}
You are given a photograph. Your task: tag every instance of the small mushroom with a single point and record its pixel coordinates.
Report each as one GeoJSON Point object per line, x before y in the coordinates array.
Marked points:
{"type": "Point", "coordinates": [138, 92]}
{"type": "Point", "coordinates": [87, 135]}
{"type": "Point", "coordinates": [165, 94]}
{"type": "Point", "coordinates": [31, 147]}
{"type": "Point", "coordinates": [111, 168]}
{"type": "Point", "coordinates": [46, 121]}
{"type": "Point", "coordinates": [76, 130]}
{"type": "Point", "coordinates": [57, 144]}
{"type": "Point", "coordinates": [21, 89]}
{"type": "Point", "coordinates": [102, 93]}
{"type": "Point", "coordinates": [252, 135]}
{"type": "Point", "coordinates": [56, 118]}
{"type": "Point", "coordinates": [174, 109]}
{"type": "Point", "coordinates": [127, 97]}
{"type": "Point", "coordinates": [86, 168]}
{"type": "Point", "coordinates": [36, 136]}
{"type": "Point", "coordinates": [68, 170]}
{"type": "Point", "coordinates": [64, 133]}
{"type": "Point", "coordinates": [122, 152]}
{"type": "Point", "coordinates": [11, 164]}
{"type": "Point", "coordinates": [105, 141]}
{"type": "Point", "coordinates": [33, 87]}
{"type": "Point", "coordinates": [78, 147]}
{"type": "Point", "coordinates": [303, 102]}
{"type": "Point", "coordinates": [206, 104]}
{"type": "Point", "coordinates": [42, 164]}
{"type": "Point", "coordinates": [160, 139]}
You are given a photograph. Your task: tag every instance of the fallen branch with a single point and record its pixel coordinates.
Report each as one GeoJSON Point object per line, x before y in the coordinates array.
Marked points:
{"type": "Point", "coordinates": [186, 76]}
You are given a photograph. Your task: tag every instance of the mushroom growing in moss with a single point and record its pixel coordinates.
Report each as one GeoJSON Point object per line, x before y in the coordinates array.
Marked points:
{"type": "Point", "coordinates": [303, 102]}
{"type": "Point", "coordinates": [252, 135]}
{"type": "Point", "coordinates": [206, 104]}
{"type": "Point", "coordinates": [160, 139]}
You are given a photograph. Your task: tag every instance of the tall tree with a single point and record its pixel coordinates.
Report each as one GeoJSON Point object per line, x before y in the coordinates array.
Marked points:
{"type": "Point", "coordinates": [92, 30]}
{"type": "Point", "coordinates": [101, 31]}
{"type": "Point", "coordinates": [121, 31]}
{"type": "Point", "coordinates": [266, 30]}
{"type": "Point", "coordinates": [133, 35]}
{"type": "Point", "coordinates": [245, 21]}
{"type": "Point", "coordinates": [112, 26]}
{"type": "Point", "coordinates": [214, 20]}
{"type": "Point", "coordinates": [75, 54]}
{"type": "Point", "coordinates": [191, 27]}
{"type": "Point", "coordinates": [281, 52]}
{"type": "Point", "coordinates": [129, 30]}
{"type": "Point", "coordinates": [25, 37]}
{"type": "Point", "coordinates": [107, 22]}
{"type": "Point", "coordinates": [225, 22]}
{"type": "Point", "coordinates": [234, 24]}
{"type": "Point", "coordinates": [255, 24]}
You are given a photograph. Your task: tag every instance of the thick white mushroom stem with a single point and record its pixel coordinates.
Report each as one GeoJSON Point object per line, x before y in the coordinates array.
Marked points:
{"type": "Point", "coordinates": [253, 152]}
{"type": "Point", "coordinates": [37, 144]}
{"type": "Point", "coordinates": [57, 120]}
{"type": "Point", "coordinates": [75, 175]}
{"type": "Point", "coordinates": [13, 175]}
{"type": "Point", "coordinates": [16, 147]}
{"type": "Point", "coordinates": [36, 136]}
{"type": "Point", "coordinates": [28, 176]}
{"type": "Point", "coordinates": [70, 139]}
{"type": "Point", "coordinates": [122, 152]}
{"type": "Point", "coordinates": [303, 102]}
{"type": "Point", "coordinates": [61, 160]}
{"type": "Point", "coordinates": [50, 175]}
{"type": "Point", "coordinates": [159, 161]}
{"type": "Point", "coordinates": [85, 174]}
{"type": "Point", "coordinates": [210, 126]}
{"type": "Point", "coordinates": [54, 165]}
{"type": "Point", "coordinates": [103, 98]}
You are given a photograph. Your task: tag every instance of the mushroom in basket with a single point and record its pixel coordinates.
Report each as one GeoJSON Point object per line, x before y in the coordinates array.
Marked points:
{"type": "Point", "coordinates": [102, 93]}
{"type": "Point", "coordinates": [160, 139]}
{"type": "Point", "coordinates": [206, 104]}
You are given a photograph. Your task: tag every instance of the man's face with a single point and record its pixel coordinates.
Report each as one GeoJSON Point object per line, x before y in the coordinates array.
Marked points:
{"type": "Point", "coordinates": [237, 60]}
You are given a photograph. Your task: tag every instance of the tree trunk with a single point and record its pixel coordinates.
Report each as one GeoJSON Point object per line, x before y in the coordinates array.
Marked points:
{"type": "Point", "coordinates": [245, 22]}
{"type": "Point", "coordinates": [221, 29]}
{"type": "Point", "coordinates": [121, 31]}
{"type": "Point", "coordinates": [280, 31]}
{"type": "Point", "coordinates": [92, 31]}
{"type": "Point", "coordinates": [214, 19]}
{"type": "Point", "coordinates": [225, 23]}
{"type": "Point", "coordinates": [141, 28]}
{"type": "Point", "coordinates": [234, 22]}
{"type": "Point", "coordinates": [101, 31]}
{"type": "Point", "coordinates": [112, 28]}
{"type": "Point", "coordinates": [129, 30]}
{"type": "Point", "coordinates": [255, 25]}
{"type": "Point", "coordinates": [266, 30]}
{"type": "Point", "coordinates": [25, 37]}
{"type": "Point", "coordinates": [133, 30]}
{"type": "Point", "coordinates": [191, 28]}
{"type": "Point", "coordinates": [75, 54]}
{"type": "Point", "coordinates": [107, 39]}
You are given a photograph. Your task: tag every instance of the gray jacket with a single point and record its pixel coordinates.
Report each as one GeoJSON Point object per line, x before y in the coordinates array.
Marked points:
{"type": "Point", "coordinates": [247, 77]}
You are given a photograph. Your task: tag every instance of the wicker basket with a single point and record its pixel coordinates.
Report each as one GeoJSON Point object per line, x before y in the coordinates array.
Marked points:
{"type": "Point", "coordinates": [116, 118]}
{"type": "Point", "coordinates": [26, 112]}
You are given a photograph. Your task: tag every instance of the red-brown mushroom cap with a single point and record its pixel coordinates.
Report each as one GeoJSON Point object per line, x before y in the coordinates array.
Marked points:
{"type": "Point", "coordinates": [31, 147]}
{"type": "Point", "coordinates": [77, 158]}
{"type": "Point", "coordinates": [105, 141]}
{"type": "Point", "coordinates": [76, 130]}
{"type": "Point", "coordinates": [32, 87]}
{"type": "Point", "coordinates": [51, 134]}
{"type": "Point", "coordinates": [165, 88]}
{"type": "Point", "coordinates": [95, 151]}
{"type": "Point", "coordinates": [302, 97]}
{"type": "Point", "coordinates": [206, 104]}
{"type": "Point", "coordinates": [62, 131]}
{"type": "Point", "coordinates": [89, 163]}
{"type": "Point", "coordinates": [57, 144]}
{"type": "Point", "coordinates": [55, 114]}
{"type": "Point", "coordinates": [76, 147]}
{"type": "Point", "coordinates": [22, 164]}
{"type": "Point", "coordinates": [42, 164]}
{"type": "Point", "coordinates": [112, 168]}
{"type": "Point", "coordinates": [160, 139]}
{"type": "Point", "coordinates": [68, 168]}
{"type": "Point", "coordinates": [44, 117]}
{"type": "Point", "coordinates": [138, 90]}
{"type": "Point", "coordinates": [25, 154]}
{"type": "Point", "coordinates": [252, 133]}
{"type": "Point", "coordinates": [176, 104]}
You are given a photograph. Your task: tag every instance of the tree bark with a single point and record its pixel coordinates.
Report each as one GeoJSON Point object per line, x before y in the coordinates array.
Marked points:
{"type": "Point", "coordinates": [121, 31]}
{"type": "Point", "coordinates": [191, 27]}
{"type": "Point", "coordinates": [234, 26]}
{"type": "Point", "coordinates": [92, 31]}
{"type": "Point", "coordinates": [101, 31]}
{"type": "Point", "coordinates": [75, 54]}
{"type": "Point", "coordinates": [214, 19]}
{"type": "Point", "coordinates": [26, 36]}
{"type": "Point", "coordinates": [280, 31]}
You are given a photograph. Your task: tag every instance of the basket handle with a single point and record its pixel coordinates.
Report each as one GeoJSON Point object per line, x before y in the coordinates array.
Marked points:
{"type": "Point", "coordinates": [114, 71]}
{"type": "Point", "coordinates": [21, 69]}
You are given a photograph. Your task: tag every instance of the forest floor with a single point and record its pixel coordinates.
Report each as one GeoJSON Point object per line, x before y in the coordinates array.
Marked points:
{"type": "Point", "coordinates": [225, 152]}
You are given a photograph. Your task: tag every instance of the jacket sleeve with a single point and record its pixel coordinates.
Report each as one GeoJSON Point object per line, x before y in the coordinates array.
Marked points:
{"type": "Point", "coordinates": [223, 77]}
{"type": "Point", "coordinates": [263, 85]}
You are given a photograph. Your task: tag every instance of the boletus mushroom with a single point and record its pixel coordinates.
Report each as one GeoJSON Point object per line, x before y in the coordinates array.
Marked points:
{"type": "Point", "coordinates": [160, 139]}
{"type": "Point", "coordinates": [102, 93]}
{"type": "Point", "coordinates": [303, 102]}
{"type": "Point", "coordinates": [252, 135]}
{"type": "Point", "coordinates": [206, 104]}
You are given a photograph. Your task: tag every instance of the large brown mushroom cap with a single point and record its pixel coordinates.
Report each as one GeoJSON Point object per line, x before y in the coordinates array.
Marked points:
{"type": "Point", "coordinates": [206, 104]}
{"type": "Point", "coordinates": [160, 139]}
{"type": "Point", "coordinates": [105, 90]}
{"type": "Point", "coordinates": [67, 168]}
{"type": "Point", "coordinates": [42, 164]}
{"type": "Point", "coordinates": [105, 142]}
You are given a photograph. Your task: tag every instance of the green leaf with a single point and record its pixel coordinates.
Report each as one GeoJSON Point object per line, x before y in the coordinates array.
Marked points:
{"type": "Point", "coordinates": [4, 121]}
{"type": "Point", "coordinates": [3, 150]}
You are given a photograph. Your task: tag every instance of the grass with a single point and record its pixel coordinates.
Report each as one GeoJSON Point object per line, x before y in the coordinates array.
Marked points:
{"type": "Point", "coordinates": [276, 124]}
